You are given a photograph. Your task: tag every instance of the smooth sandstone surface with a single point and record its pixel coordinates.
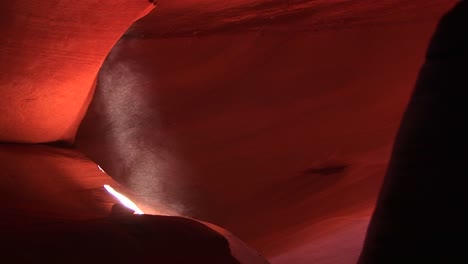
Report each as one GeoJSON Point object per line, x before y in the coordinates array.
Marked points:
{"type": "Point", "coordinates": [56, 210]}
{"type": "Point", "coordinates": [50, 54]}
{"type": "Point", "coordinates": [273, 120]}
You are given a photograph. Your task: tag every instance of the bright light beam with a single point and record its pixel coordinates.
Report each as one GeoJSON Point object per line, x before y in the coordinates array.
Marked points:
{"type": "Point", "coordinates": [124, 200]}
{"type": "Point", "coordinates": [99, 167]}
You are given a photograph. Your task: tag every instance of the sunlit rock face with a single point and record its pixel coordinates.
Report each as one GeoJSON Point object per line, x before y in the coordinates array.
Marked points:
{"type": "Point", "coordinates": [50, 53]}
{"type": "Point", "coordinates": [272, 119]}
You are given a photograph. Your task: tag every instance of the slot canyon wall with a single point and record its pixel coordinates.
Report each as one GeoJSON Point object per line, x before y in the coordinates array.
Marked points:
{"type": "Point", "coordinates": [274, 120]}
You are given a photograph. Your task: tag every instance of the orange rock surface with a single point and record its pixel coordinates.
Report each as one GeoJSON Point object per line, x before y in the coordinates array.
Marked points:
{"type": "Point", "coordinates": [272, 119]}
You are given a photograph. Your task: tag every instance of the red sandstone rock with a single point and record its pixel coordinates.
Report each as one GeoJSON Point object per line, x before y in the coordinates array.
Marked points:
{"type": "Point", "coordinates": [271, 119]}
{"type": "Point", "coordinates": [50, 53]}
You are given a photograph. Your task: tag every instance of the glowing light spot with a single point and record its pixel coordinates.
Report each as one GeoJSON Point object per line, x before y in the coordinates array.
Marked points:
{"type": "Point", "coordinates": [124, 200]}
{"type": "Point", "coordinates": [99, 167]}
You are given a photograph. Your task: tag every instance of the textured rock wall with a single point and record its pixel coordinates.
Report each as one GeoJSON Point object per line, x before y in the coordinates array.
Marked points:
{"type": "Point", "coordinates": [50, 53]}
